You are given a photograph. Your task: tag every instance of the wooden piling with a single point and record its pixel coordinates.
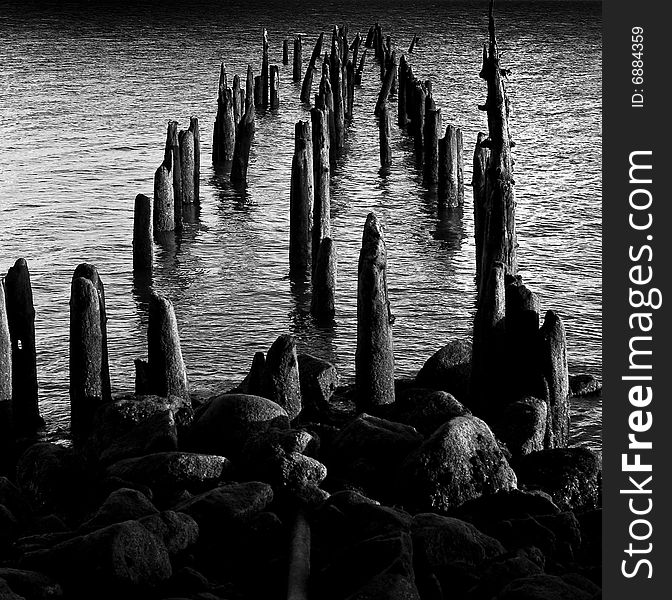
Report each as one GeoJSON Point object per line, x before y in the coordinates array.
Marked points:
{"type": "Point", "coordinates": [432, 133]}
{"type": "Point", "coordinates": [481, 157]}
{"type": "Point", "coordinates": [86, 357]}
{"type": "Point", "coordinates": [384, 130]}
{"type": "Point", "coordinates": [187, 160]}
{"type": "Point", "coordinates": [238, 109]}
{"type": "Point", "coordinates": [21, 322]}
{"type": "Point", "coordinates": [402, 118]}
{"type": "Point", "coordinates": [167, 372]}
{"type": "Point", "coordinates": [350, 89]}
{"type": "Point", "coordinates": [285, 52]}
{"type": "Point", "coordinates": [6, 412]}
{"type": "Point", "coordinates": [275, 87]}
{"type": "Point", "coordinates": [258, 92]}
{"type": "Point", "coordinates": [301, 200]}
{"type": "Point", "coordinates": [328, 99]}
{"type": "Point", "coordinates": [195, 132]}
{"type": "Point", "coordinates": [265, 83]}
{"type": "Point", "coordinates": [449, 168]}
{"type": "Point", "coordinates": [143, 247]}
{"type": "Point", "coordinates": [360, 69]}
{"type": "Point", "coordinates": [298, 578]}
{"type": "Point", "coordinates": [414, 42]}
{"type": "Point", "coordinates": [244, 134]}
{"type": "Point", "coordinates": [306, 89]}
{"type": "Point", "coordinates": [297, 65]}
{"type": "Point", "coordinates": [554, 369]}
{"type": "Point", "coordinates": [324, 276]}
{"type": "Point", "coordinates": [224, 132]}
{"type": "Point", "coordinates": [390, 75]}
{"type": "Point", "coordinates": [339, 111]}
{"type": "Point", "coordinates": [321, 172]}
{"type": "Point", "coordinates": [374, 358]}
{"type": "Point", "coordinates": [460, 166]}
{"type": "Point", "coordinates": [369, 37]}
{"type": "Point", "coordinates": [418, 117]}
{"type": "Point", "coordinates": [356, 44]}
{"type": "Point", "coordinates": [173, 146]}
{"type": "Point", "coordinates": [164, 207]}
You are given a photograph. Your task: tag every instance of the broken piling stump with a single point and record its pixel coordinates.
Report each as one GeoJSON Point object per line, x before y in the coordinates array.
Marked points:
{"type": "Point", "coordinates": [173, 147]}
{"type": "Point", "coordinates": [374, 357]}
{"type": "Point", "coordinates": [414, 43]}
{"type": "Point", "coordinates": [554, 369]}
{"type": "Point", "coordinates": [384, 130]}
{"type": "Point", "coordinates": [281, 376]}
{"type": "Point", "coordinates": [238, 109]}
{"type": "Point", "coordinates": [297, 63]}
{"type": "Point", "coordinates": [390, 75]}
{"type": "Point", "coordinates": [143, 247]}
{"type": "Point", "coordinates": [193, 126]}
{"type": "Point", "coordinates": [306, 89]}
{"type": "Point", "coordinates": [360, 69]}
{"type": "Point", "coordinates": [350, 90]}
{"type": "Point", "coordinates": [433, 126]}
{"type": "Point", "coordinates": [450, 168]}
{"type": "Point", "coordinates": [275, 87]}
{"type": "Point", "coordinates": [6, 412]}
{"type": "Point", "coordinates": [244, 134]}
{"type": "Point", "coordinates": [285, 51]}
{"type": "Point", "coordinates": [480, 166]}
{"type": "Point", "coordinates": [265, 81]}
{"type": "Point", "coordinates": [301, 200]}
{"type": "Point", "coordinates": [321, 177]}
{"type": "Point", "coordinates": [336, 73]}
{"type": "Point", "coordinates": [258, 92]}
{"type": "Point", "coordinates": [224, 134]}
{"type": "Point", "coordinates": [323, 305]}
{"type": "Point", "coordinates": [21, 322]}
{"type": "Point", "coordinates": [164, 207]}
{"type": "Point", "coordinates": [187, 165]}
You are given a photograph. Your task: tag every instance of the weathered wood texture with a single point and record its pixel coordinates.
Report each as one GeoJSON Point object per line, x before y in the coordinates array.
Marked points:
{"type": "Point", "coordinates": [301, 200]}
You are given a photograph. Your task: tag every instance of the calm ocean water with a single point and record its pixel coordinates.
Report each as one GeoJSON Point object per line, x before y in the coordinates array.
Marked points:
{"type": "Point", "coordinates": [85, 96]}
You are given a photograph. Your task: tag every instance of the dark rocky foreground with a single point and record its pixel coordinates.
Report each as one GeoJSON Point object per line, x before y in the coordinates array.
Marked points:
{"type": "Point", "coordinates": [244, 496]}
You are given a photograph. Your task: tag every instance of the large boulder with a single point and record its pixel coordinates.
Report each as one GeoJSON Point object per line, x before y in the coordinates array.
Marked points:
{"type": "Point", "coordinates": [571, 476]}
{"type": "Point", "coordinates": [121, 505]}
{"type": "Point", "coordinates": [459, 462]}
{"type": "Point", "coordinates": [280, 381]}
{"type": "Point", "coordinates": [370, 450]}
{"type": "Point", "coordinates": [119, 559]}
{"type": "Point", "coordinates": [498, 573]}
{"type": "Point", "coordinates": [448, 369]}
{"type": "Point", "coordinates": [424, 409]}
{"type": "Point", "coordinates": [318, 379]}
{"type": "Point", "coordinates": [228, 506]}
{"type": "Point", "coordinates": [178, 531]}
{"type": "Point", "coordinates": [231, 419]}
{"type": "Point", "coordinates": [584, 384]}
{"type": "Point", "coordinates": [170, 471]}
{"type": "Point", "coordinates": [522, 426]}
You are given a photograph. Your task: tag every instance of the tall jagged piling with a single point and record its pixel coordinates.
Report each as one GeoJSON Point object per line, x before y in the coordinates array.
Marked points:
{"type": "Point", "coordinates": [187, 165]}
{"type": "Point", "coordinates": [433, 126]}
{"type": "Point", "coordinates": [258, 92]}
{"type": "Point", "coordinates": [384, 132]}
{"type": "Point", "coordinates": [451, 168]}
{"type": "Point", "coordinates": [323, 305]}
{"type": "Point", "coordinates": [244, 134]}
{"type": "Point", "coordinates": [285, 52]}
{"type": "Point", "coordinates": [321, 176]}
{"type": "Point", "coordinates": [360, 69]}
{"type": "Point", "coordinates": [297, 62]}
{"type": "Point", "coordinates": [164, 207]}
{"type": "Point", "coordinates": [402, 117]}
{"type": "Point", "coordinates": [414, 43]}
{"type": "Point", "coordinates": [21, 322]}
{"type": "Point", "coordinates": [143, 248]}
{"type": "Point", "coordinates": [86, 356]}
{"type": "Point", "coordinates": [173, 154]}
{"type": "Point", "coordinates": [336, 73]}
{"type": "Point", "coordinates": [390, 75]}
{"type": "Point", "coordinates": [480, 166]}
{"type": "Point", "coordinates": [306, 89]}
{"type": "Point", "coordinates": [224, 134]}
{"type": "Point", "coordinates": [275, 87]}
{"type": "Point", "coordinates": [350, 90]}
{"type": "Point", "coordinates": [195, 131]}
{"type": "Point", "coordinates": [301, 200]}
{"type": "Point", "coordinates": [6, 412]}
{"type": "Point", "coordinates": [374, 358]}
{"type": "Point", "coordinates": [327, 98]}
{"type": "Point", "coordinates": [554, 369]}
{"type": "Point", "coordinates": [418, 117]}
{"type": "Point", "coordinates": [164, 373]}
{"type": "Point", "coordinates": [238, 108]}
{"type": "Point", "coordinates": [265, 81]}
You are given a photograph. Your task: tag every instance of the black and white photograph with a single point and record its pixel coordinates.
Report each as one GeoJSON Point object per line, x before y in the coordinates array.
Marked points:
{"type": "Point", "coordinates": [303, 300]}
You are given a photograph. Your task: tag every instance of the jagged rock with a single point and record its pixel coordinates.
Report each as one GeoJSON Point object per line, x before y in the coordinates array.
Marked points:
{"type": "Point", "coordinates": [281, 376]}
{"type": "Point", "coordinates": [231, 419]}
{"type": "Point", "coordinates": [424, 409]}
{"type": "Point", "coordinates": [522, 426]}
{"type": "Point", "coordinates": [542, 587]}
{"type": "Point", "coordinates": [177, 530]}
{"type": "Point", "coordinates": [525, 532]}
{"type": "Point", "coordinates": [448, 369]}
{"type": "Point", "coordinates": [370, 450]}
{"type": "Point", "coordinates": [115, 560]}
{"type": "Point", "coordinates": [227, 506]}
{"type": "Point", "coordinates": [584, 385]}
{"type": "Point", "coordinates": [571, 476]}
{"type": "Point", "coordinates": [499, 573]}
{"type": "Point", "coordinates": [31, 584]}
{"type": "Point", "coordinates": [169, 471]}
{"type": "Point", "coordinates": [388, 586]}
{"type": "Point", "coordinates": [506, 504]}
{"type": "Point", "coordinates": [51, 477]}
{"type": "Point", "coordinates": [121, 505]}
{"type": "Point", "coordinates": [319, 379]}
{"type": "Point", "coordinates": [459, 462]}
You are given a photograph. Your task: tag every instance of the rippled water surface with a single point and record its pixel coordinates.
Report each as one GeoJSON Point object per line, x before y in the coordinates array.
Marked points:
{"type": "Point", "coordinates": [85, 95]}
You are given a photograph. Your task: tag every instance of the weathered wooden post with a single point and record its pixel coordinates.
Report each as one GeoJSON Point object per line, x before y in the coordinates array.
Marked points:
{"type": "Point", "coordinates": [164, 207]}
{"type": "Point", "coordinates": [337, 90]}
{"type": "Point", "coordinates": [323, 303]}
{"type": "Point", "coordinates": [238, 108]}
{"type": "Point", "coordinates": [187, 165]}
{"type": "Point", "coordinates": [173, 146]}
{"type": "Point", "coordinates": [244, 134]}
{"type": "Point", "coordinates": [369, 37]}
{"type": "Point", "coordinates": [265, 84]}
{"type": "Point", "coordinates": [306, 89]}
{"type": "Point", "coordinates": [481, 157]}
{"type": "Point", "coordinates": [21, 322]}
{"type": "Point", "coordinates": [414, 42]}
{"type": "Point", "coordinates": [328, 99]}
{"type": "Point", "coordinates": [258, 92]}
{"type": "Point", "coordinates": [448, 173]}
{"type": "Point", "coordinates": [6, 412]}
{"type": "Point", "coordinates": [554, 369]}
{"type": "Point", "coordinates": [390, 75]}
{"type": "Point", "coordinates": [384, 130]}
{"type": "Point", "coordinates": [418, 117]}
{"type": "Point", "coordinates": [86, 357]}
{"type": "Point", "coordinates": [355, 46]}
{"type": "Point", "coordinates": [193, 126]}
{"type": "Point", "coordinates": [165, 365]}
{"type": "Point", "coordinates": [275, 87]}
{"type": "Point", "coordinates": [298, 578]}
{"type": "Point", "coordinates": [374, 358]}
{"type": "Point", "coordinates": [301, 200]}
{"type": "Point", "coordinates": [224, 133]}
{"type": "Point", "coordinates": [297, 65]}
{"type": "Point", "coordinates": [402, 118]}
{"type": "Point", "coordinates": [460, 166]}
{"type": "Point", "coordinates": [433, 128]}
{"type": "Point", "coordinates": [143, 247]}
{"type": "Point", "coordinates": [350, 89]}
{"type": "Point", "coordinates": [360, 69]}
{"type": "Point", "coordinates": [321, 172]}
{"type": "Point", "coordinates": [285, 52]}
